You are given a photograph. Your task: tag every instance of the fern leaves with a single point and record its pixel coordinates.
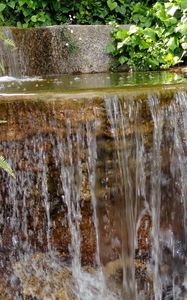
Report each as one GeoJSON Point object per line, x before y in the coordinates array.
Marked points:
{"type": "Point", "coordinates": [7, 42]}
{"type": "Point", "coordinates": [3, 163]}
{"type": "Point", "coordinates": [5, 166]}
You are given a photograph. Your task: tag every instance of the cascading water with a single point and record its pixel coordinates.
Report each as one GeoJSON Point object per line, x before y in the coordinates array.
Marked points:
{"type": "Point", "coordinates": [98, 209]}
{"type": "Point", "coordinates": [9, 57]}
{"type": "Point", "coordinates": [119, 122]}
{"type": "Point", "coordinates": [156, 177]}
{"type": "Point", "coordinates": [148, 164]}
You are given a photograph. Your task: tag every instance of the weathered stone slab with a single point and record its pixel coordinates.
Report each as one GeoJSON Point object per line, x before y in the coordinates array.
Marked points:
{"type": "Point", "coordinates": [69, 49]}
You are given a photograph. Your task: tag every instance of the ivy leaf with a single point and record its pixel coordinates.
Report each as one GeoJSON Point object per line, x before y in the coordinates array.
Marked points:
{"type": "Point", "coordinates": [149, 33]}
{"type": "Point", "coordinates": [144, 45]}
{"type": "Point", "coordinates": [183, 4]}
{"type": "Point", "coordinates": [160, 11]}
{"type": "Point", "coordinates": [34, 18]}
{"type": "Point", "coordinates": [11, 4]}
{"type": "Point", "coordinates": [170, 21]}
{"type": "Point", "coordinates": [120, 45]}
{"type": "Point", "coordinates": [182, 28]}
{"type": "Point", "coordinates": [122, 34]}
{"type": "Point", "coordinates": [123, 59]}
{"type": "Point", "coordinates": [121, 9]}
{"type": "Point", "coordinates": [172, 44]}
{"type": "Point", "coordinates": [27, 12]}
{"type": "Point", "coordinates": [171, 8]}
{"type": "Point", "coordinates": [21, 2]}
{"type": "Point", "coordinates": [153, 62]}
{"type": "Point", "coordinates": [112, 4]}
{"type": "Point", "coordinates": [133, 29]}
{"type": "Point", "coordinates": [1, 17]}
{"type": "Point", "coordinates": [2, 7]}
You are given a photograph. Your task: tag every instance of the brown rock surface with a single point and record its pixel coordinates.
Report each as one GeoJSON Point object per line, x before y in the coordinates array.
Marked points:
{"type": "Point", "coordinates": [42, 278]}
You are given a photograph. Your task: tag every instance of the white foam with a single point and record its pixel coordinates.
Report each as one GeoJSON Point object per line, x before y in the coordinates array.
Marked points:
{"type": "Point", "coordinates": [23, 79]}
{"type": "Point", "coordinates": [7, 78]}
{"type": "Point", "coordinates": [16, 94]}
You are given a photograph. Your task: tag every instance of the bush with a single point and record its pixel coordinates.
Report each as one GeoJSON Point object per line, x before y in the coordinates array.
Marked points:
{"type": "Point", "coordinates": [25, 13]}
{"type": "Point", "coordinates": [158, 40]}
{"type": "Point", "coordinates": [32, 13]}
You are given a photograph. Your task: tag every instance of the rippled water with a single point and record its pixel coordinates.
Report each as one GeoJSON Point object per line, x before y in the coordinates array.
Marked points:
{"type": "Point", "coordinates": [89, 82]}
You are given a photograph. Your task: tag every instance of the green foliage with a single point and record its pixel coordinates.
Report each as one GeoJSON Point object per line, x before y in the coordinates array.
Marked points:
{"type": "Point", "coordinates": [103, 11]}
{"type": "Point", "coordinates": [25, 13]}
{"type": "Point", "coordinates": [158, 40]}
{"type": "Point", "coordinates": [5, 166]}
{"type": "Point", "coordinates": [33, 13]}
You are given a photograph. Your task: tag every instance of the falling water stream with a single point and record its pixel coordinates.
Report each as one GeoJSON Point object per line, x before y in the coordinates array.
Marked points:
{"type": "Point", "coordinates": [9, 56]}
{"type": "Point", "coordinates": [98, 209]}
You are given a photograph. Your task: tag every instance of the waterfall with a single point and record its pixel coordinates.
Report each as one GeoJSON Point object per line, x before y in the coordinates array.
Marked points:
{"type": "Point", "coordinates": [156, 177]}
{"type": "Point", "coordinates": [152, 166]}
{"type": "Point", "coordinates": [98, 209]}
{"type": "Point", "coordinates": [121, 115]}
{"type": "Point", "coordinates": [9, 57]}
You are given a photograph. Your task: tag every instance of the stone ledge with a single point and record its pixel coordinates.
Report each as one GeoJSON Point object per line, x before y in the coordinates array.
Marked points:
{"type": "Point", "coordinates": [70, 49]}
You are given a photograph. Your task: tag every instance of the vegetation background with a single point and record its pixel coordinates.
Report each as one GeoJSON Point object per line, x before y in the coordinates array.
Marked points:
{"type": "Point", "coordinates": [156, 40]}
{"type": "Point", "coordinates": [29, 13]}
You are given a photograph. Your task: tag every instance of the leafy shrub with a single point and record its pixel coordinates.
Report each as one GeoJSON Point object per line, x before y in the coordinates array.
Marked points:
{"type": "Point", "coordinates": [103, 12]}
{"type": "Point", "coordinates": [157, 40]}
{"type": "Point", "coordinates": [28, 13]}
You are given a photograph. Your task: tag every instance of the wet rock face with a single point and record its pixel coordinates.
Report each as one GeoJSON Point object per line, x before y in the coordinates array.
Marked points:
{"type": "Point", "coordinates": [85, 193]}
{"type": "Point", "coordinates": [43, 278]}
{"type": "Point", "coordinates": [39, 194]}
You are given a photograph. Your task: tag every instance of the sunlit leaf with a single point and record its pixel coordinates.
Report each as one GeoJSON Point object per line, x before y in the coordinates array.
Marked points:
{"type": "Point", "coordinates": [2, 7]}
{"type": "Point", "coordinates": [133, 29]}
{"type": "Point", "coordinates": [183, 4]}
{"type": "Point", "coordinates": [122, 34]}
{"type": "Point", "coordinates": [11, 4]}
{"type": "Point", "coordinates": [123, 59]}
{"type": "Point", "coordinates": [6, 167]}
{"type": "Point", "coordinates": [112, 4]}
{"type": "Point", "coordinates": [172, 44]}
{"type": "Point", "coordinates": [148, 32]}
{"type": "Point", "coordinates": [182, 28]}
{"type": "Point", "coordinates": [120, 45]}
{"type": "Point", "coordinates": [171, 8]}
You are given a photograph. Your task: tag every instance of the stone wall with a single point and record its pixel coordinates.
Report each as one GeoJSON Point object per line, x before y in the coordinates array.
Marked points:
{"type": "Point", "coordinates": [55, 50]}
